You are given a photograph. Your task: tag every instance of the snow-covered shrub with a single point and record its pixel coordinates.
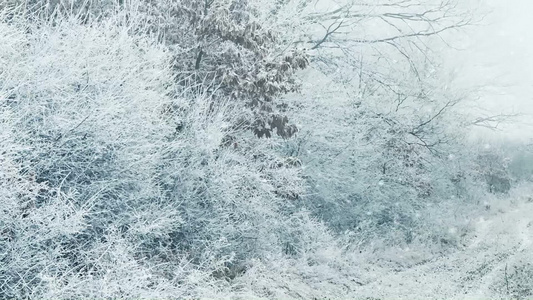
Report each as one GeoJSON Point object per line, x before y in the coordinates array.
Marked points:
{"type": "Point", "coordinates": [118, 182]}
{"type": "Point", "coordinates": [492, 168]}
{"type": "Point", "coordinates": [521, 165]}
{"type": "Point", "coordinates": [229, 45]}
{"type": "Point", "coordinates": [370, 176]}
{"type": "Point", "coordinates": [381, 140]}
{"type": "Point", "coordinates": [515, 158]}
{"type": "Point", "coordinates": [83, 130]}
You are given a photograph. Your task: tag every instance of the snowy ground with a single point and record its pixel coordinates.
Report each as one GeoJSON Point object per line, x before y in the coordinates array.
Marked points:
{"type": "Point", "coordinates": [496, 262]}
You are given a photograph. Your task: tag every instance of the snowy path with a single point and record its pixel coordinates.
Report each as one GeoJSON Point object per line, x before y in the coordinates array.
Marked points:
{"type": "Point", "coordinates": [497, 263]}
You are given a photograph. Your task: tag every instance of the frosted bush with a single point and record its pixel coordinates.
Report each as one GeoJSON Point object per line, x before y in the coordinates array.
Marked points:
{"type": "Point", "coordinates": [82, 131]}
{"type": "Point", "coordinates": [120, 183]}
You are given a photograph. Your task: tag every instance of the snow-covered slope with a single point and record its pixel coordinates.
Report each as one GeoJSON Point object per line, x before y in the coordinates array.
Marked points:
{"type": "Point", "coordinates": [496, 262]}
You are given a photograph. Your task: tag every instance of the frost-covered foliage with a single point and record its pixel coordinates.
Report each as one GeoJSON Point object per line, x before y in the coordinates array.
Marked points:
{"type": "Point", "coordinates": [370, 178]}
{"type": "Point", "coordinates": [227, 44]}
{"type": "Point", "coordinates": [116, 182]}
{"type": "Point", "coordinates": [382, 137]}
{"type": "Point", "coordinates": [83, 102]}
{"type": "Point", "coordinates": [134, 163]}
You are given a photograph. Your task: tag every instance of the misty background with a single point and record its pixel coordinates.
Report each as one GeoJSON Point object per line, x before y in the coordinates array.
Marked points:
{"type": "Point", "coordinates": [497, 57]}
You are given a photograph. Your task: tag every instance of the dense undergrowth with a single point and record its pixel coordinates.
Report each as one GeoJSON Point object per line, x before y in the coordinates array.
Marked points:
{"type": "Point", "coordinates": [133, 167]}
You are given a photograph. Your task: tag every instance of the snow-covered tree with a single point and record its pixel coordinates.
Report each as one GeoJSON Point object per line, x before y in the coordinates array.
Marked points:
{"type": "Point", "coordinates": [225, 45]}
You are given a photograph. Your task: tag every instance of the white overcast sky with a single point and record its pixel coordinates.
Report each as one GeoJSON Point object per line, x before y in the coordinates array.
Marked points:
{"type": "Point", "coordinates": [497, 56]}
{"type": "Point", "coordinates": [500, 58]}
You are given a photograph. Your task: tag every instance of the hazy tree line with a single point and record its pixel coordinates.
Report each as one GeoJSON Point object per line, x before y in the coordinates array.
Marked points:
{"type": "Point", "coordinates": [230, 148]}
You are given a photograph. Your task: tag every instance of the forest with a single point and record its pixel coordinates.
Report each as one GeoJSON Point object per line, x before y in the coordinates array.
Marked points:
{"type": "Point", "coordinates": [254, 149]}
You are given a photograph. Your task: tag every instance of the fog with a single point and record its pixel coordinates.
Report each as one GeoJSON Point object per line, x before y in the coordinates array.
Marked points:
{"type": "Point", "coordinates": [498, 60]}
{"type": "Point", "coordinates": [492, 61]}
